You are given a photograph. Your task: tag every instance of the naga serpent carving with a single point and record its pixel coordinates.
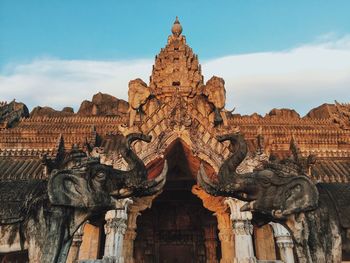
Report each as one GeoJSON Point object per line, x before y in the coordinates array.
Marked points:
{"type": "Point", "coordinates": [317, 215]}
{"type": "Point", "coordinates": [43, 215]}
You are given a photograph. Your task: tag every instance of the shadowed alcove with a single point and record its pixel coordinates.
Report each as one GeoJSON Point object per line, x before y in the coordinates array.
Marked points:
{"type": "Point", "coordinates": [177, 228]}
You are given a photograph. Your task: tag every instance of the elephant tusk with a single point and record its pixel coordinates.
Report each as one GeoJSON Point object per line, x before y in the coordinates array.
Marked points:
{"type": "Point", "coordinates": [231, 111]}
{"type": "Point", "coordinates": [162, 176]}
{"type": "Point", "coordinates": [246, 207]}
{"type": "Point", "coordinates": [125, 192]}
{"type": "Point", "coordinates": [161, 179]}
{"type": "Point", "coordinates": [159, 187]}
{"type": "Point", "coordinates": [249, 206]}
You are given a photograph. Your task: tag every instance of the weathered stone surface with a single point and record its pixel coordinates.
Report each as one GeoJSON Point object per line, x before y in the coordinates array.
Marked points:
{"type": "Point", "coordinates": [323, 111]}
{"type": "Point", "coordinates": [284, 113]}
{"type": "Point", "coordinates": [315, 214]}
{"type": "Point", "coordinates": [339, 113]}
{"type": "Point", "coordinates": [49, 112]}
{"type": "Point", "coordinates": [47, 213]}
{"type": "Point", "coordinates": [103, 105]}
{"type": "Point", "coordinates": [11, 113]}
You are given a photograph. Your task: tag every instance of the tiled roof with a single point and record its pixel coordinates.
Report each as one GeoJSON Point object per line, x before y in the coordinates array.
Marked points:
{"type": "Point", "coordinates": [331, 171]}
{"type": "Point", "coordinates": [21, 169]}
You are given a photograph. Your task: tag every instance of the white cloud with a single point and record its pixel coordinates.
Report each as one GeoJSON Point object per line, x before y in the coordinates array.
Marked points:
{"type": "Point", "coordinates": [59, 83]}
{"type": "Point", "coordinates": [300, 78]}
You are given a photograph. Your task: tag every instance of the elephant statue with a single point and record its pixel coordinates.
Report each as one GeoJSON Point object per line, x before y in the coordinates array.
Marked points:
{"type": "Point", "coordinates": [215, 92]}
{"type": "Point", "coordinates": [317, 215]}
{"type": "Point", "coordinates": [138, 95]}
{"type": "Point", "coordinates": [43, 215]}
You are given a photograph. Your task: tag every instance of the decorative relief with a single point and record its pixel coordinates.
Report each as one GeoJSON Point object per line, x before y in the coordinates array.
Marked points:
{"type": "Point", "coordinates": [242, 227]}
{"type": "Point", "coordinates": [342, 116]}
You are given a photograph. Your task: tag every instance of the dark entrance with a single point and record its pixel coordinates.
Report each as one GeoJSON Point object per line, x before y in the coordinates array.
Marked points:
{"type": "Point", "coordinates": [14, 257]}
{"type": "Point", "coordinates": [173, 230]}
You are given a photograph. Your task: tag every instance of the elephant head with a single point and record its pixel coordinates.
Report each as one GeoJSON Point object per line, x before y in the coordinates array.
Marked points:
{"type": "Point", "coordinates": [86, 183]}
{"type": "Point", "coordinates": [215, 91]}
{"type": "Point", "coordinates": [138, 94]}
{"type": "Point", "coordinates": [278, 190]}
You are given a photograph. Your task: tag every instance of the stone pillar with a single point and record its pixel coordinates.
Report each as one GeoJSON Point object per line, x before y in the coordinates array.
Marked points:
{"type": "Point", "coordinates": [128, 248]}
{"type": "Point", "coordinates": [226, 237]}
{"type": "Point", "coordinates": [217, 205]}
{"type": "Point", "coordinates": [284, 242]}
{"type": "Point", "coordinates": [210, 244]}
{"type": "Point", "coordinates": [243, 230]}
{"type": "Point", "coordinates": [73, 254]}
{"type": "Point", "coordinates": [138, 205]}
{"type": "Point", "coordinates": [115, 228]}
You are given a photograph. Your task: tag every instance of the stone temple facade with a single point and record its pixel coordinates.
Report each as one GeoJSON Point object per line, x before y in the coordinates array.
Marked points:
{"type": "Point", "coordinates": [183, 114]}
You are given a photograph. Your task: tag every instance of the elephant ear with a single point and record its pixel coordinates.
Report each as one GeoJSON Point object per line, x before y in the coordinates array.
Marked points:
{"type": "Point", "coordinates": [298, 195]}
{"type": "Point", "coordinates": [67, 188]}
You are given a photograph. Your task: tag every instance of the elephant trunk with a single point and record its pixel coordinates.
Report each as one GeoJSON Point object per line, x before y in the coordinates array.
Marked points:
{"type": "Point", "coordinates": [227, 176]}
{"type": "Point", "coordinates": [136, 165]}
{"type": "Point", "coordinates": [238, 147]}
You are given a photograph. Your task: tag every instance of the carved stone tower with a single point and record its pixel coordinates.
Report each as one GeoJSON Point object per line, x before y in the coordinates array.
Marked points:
{"type": "Point", "coordinates": [176, 67]}
{"type": "Point", "coordinates": [177, 79]}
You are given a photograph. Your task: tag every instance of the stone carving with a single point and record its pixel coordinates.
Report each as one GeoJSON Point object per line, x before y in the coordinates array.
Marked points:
{"type": "Point", "coordinates": [103, 105]}
{"type": "Point", "coordinates": [215, 91]}
{"type": "Point", "coordinates": [115, 229]}
{"type": "Point", "coordinates": [43, 215]}
{"type": "Point", "coordinates": [138, 94]}
{"type": "Point", "coordinates": [217, 205]}
{"type": "Point", "coordinates": [50, 112]}
{"type": "Point", "coordinates": [284, 242]}
{"type": "Point", "coordinates": [343, 115]}
{"type": "Point", "coordinates": [315, 214]}
{"type": "Point", "coordinates": [243, 229]}
{"type": "Point", "coordinates": [339, 113]}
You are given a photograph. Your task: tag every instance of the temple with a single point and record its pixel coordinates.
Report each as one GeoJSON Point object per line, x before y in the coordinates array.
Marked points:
{"type": "Point", "coordinates": [183, 113]}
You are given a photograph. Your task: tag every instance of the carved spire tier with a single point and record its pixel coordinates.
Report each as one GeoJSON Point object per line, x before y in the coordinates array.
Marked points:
{"type": "Point", "coordinates": [176, 67]}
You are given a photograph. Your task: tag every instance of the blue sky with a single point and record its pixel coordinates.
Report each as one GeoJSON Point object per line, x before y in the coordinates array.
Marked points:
{"type": "Point", "coordinates": [34, 33]}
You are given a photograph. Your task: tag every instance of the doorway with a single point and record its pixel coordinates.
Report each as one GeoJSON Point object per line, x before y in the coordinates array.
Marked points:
{"type": "Point", "coordinates": [173, 230]}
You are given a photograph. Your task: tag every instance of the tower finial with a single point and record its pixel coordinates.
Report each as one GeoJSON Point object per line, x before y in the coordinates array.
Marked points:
{"type": "Point", "coordinates": [177, 28]}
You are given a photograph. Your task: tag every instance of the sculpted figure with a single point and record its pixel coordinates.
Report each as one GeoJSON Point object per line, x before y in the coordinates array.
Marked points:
{"type": "Point", "coordinates": [215, 91]}
{"type": "Point", "coordinates": [317, 215]}
{"type": "Point", "coordinates": [138, 94]}
{"type": "Point", "coordinates": [43, 215]}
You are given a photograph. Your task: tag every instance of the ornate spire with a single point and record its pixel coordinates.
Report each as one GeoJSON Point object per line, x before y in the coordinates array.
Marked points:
{"type": "Point", "coordinates": [177, 28]}
{"type": "Point", "coordinates": [176, 66]}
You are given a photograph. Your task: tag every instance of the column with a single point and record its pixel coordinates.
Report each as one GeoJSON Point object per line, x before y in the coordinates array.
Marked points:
{"type": "Point", "coordinates": [243, 230]}
{"type": "Point", "coordinates": [284, 242]}
{"type": "Point", "coordinates": [135, 209]}
{"type": "Point", "coordinates": [226, 237]}
{"type": "Point", "coordinates": [128, 248]}
{"type": "Point", "coordinates": [115, 228]}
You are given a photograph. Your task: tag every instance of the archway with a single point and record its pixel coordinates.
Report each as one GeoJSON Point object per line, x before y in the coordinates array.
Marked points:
{"type": "Point", "coordinates": [177, 228]}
